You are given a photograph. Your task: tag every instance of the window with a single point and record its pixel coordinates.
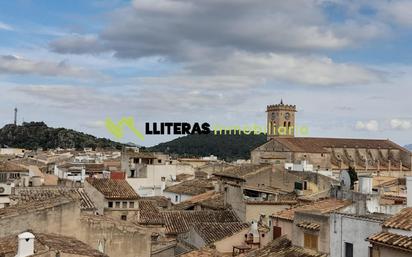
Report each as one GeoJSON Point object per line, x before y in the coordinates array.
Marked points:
{"type": "Point", "coordinates": [310, 241]}
{"type": "Point", "coordinates": [131, 204]}
{"type": "Point", "coordinates": [159, 161]}
{"type": "Point", "coordinates": [176, 198]}
{"type": "Point", "coordinates": [124, 205]}
{"type": "Point", "coordinates": [348, 250]}
{"type": "Point", "coordinates": [124, 217]}
{"type": "Point", "coordinates": [117, 204]}
{"type": "Point", "coordinates": [110, 204]}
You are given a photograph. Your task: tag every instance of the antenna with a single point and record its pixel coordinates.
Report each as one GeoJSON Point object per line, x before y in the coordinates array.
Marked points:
{"type": "Point", "coordinates": [15, 116]}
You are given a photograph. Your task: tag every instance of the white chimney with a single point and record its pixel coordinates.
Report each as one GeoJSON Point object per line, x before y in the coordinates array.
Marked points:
{"type": "Point", "coordinates": [25, 244]}
{"type": "Point", "coordinates": [365, 184]}
{"type": "Point", "coordinates": [409, 191]}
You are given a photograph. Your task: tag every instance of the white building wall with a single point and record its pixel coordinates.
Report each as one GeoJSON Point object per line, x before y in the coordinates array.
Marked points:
{"type": "Point", "coordinates": [351, 230]}
{"type": "Point", "coordinates": [152, 184]}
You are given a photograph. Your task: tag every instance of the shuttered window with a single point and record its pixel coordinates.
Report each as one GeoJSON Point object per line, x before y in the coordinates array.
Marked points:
{"type": "Point", "coordinates": [310, 241]}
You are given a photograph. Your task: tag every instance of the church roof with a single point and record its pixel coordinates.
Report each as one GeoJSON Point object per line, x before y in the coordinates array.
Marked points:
{"type": "Point", "coordinates": [320, 145]}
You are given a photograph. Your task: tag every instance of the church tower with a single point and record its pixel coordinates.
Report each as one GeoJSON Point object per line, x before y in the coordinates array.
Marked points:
{"type": "Point", "coordinates": [280, 120]}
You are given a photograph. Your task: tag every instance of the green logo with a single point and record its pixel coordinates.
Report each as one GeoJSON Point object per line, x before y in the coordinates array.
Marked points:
{"type": "Point", "coordinates": [117, 129]}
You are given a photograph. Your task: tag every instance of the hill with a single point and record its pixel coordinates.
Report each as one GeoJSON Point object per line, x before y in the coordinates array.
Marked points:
{"type": "Point", "coordinates": [228, 147]}
{"type": "Point", "coordinates": [33, 135]}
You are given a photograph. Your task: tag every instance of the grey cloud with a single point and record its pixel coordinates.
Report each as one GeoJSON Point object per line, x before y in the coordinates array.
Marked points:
{"type": "Point", "coordinates": [77, 44]}
{"type": "Point", "coordinates": [10, 64]}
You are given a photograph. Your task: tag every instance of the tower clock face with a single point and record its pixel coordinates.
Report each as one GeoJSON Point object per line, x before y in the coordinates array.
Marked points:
{"type": "Point", "coordinates": [287, 116]}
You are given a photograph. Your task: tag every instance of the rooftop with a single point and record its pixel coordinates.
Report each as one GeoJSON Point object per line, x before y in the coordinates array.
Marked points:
{"type": "Point", "coordinates": [242, 171]}
{"type": "Point", "coordinates": [211, 232]}
{"type": "Point", "coordinates": [32, 206]}
{"type": "Point", "coordinates": [7, 166]}
{"type": "Point", "coordinates": [51, 242]}
{"type": "Point", "coordinates": [30, 194]}
{"type": "Point", "coordinates": [113, 189]}
{"type": "Point", "coordinates": [322, 207]}
{"type": "Point", "coordinates": [282, 247]}
{"type": "Point", "coordinates": [392, 240]}
{"type": "Point", "coordinates": [320, 145]}
{"type": "Point", "coordinates": [191, 187]}
{"type": "Point", "coordinates": [401, 220]}
{"type": "Point", "coordinates": [179, 221]}
{"type": "Point", "coordinates": [208, 200]}
{"type": "Point", "coordinates": [149, 213]}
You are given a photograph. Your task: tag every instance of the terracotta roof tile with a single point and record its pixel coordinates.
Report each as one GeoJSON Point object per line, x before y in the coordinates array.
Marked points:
{"type": "Point", "coordinates": [149, 213]}
{"type": "Point", "coordinates": [401, 220]}
{"type": "Point", "coordinates": [308, 225]}
{"type": "Point", "coordinates": [211, 232]}
{"type": "Point", "coordinates": [282, 247]}
{"type": "Point", "coordinates": [113, 188]}
{"type": "Point", "coordinates": [324, 206]}
{"type": "Point", "coordinates": [392, 240]}
{"type": "Point", "coordinates": [191, 187]}
{"type": "Point", "coordinates": [179, 221]}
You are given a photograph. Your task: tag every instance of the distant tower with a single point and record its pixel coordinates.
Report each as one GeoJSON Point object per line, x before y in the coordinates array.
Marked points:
{"type": "Point", "coordinates": [15, 116]}
{"type": "Point", "coordinates": [280, 119]}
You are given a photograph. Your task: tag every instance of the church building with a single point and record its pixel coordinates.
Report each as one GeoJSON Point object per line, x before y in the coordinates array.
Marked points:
{"type": "Point", "coordinates": [331, 154]}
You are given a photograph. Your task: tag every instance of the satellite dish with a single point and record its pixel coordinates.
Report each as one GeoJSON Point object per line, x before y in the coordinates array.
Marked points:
{"type": "Point", "coordinates": [345, 180]}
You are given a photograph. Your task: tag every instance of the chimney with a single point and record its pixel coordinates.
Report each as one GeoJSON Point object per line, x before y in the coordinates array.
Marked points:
{"type": "Point", "coordinates": [409, 191]}
{"type": "Point", "coordinates": [365, 184]}
{"type": "Point", "coordinates": [25, 244]}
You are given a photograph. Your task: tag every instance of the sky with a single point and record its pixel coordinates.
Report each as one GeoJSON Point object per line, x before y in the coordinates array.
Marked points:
{"type": "Point", "coordinates": [345, 64]}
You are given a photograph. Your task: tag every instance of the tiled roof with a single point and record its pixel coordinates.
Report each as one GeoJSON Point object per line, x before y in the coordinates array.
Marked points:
{"type": "Point", "coordinates": [6, 166]}
{"type": "Point", "coordinates": [308, 225]}
{"type": "Point", "coordinates": [51, 242]}
{"type": "Point", "coordinates": [313, 144]}
{"type": "Point", "coordinates": [282, 247]}
{"type": "Point", "coordinates": [211, 232]}
{"type": "Point", "coordinates": [113, 188]}
{"type": "Point", "coordinates": [209, 200]}
{"type": "Point", "coordinates": [161, 201]}
{"type": "Point", "coordinates": [392, 240]}
{"type": "Point", "coordinates": [29, 194]}
{"type": "Point", "coordinates": [324, 206]}
{"type": "Point", "coordinates": [242, 171]}
{"type": "Point", "coordinates": [149, 213]}
{"type": "Point", "coordinates": [94, 167]}
{"type": "Point", "coordinates": [32, 206]}
{"type": "Point", "coordinates": [191, 187]}
{"type": "Point", "coordinates": [179, 221]}
{"type": "Point", "coordinates": [401, 220]}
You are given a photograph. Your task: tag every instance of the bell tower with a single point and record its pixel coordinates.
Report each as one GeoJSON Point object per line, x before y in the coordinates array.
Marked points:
{"type": "Point", "coordinates": [280, 120]}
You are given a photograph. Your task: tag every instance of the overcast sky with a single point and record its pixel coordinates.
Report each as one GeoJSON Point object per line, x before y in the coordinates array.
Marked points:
{"type": "Point", "coordinates": [345, 64]}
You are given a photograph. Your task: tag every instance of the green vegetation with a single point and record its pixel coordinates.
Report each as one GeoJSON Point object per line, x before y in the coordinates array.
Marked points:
{"type": "Point", "coordinates": [228, 147]}
{"type": "Point", "coordinates": [34, 135]}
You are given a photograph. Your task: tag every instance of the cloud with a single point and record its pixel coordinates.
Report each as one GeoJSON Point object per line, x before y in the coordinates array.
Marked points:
{"type": "Point", "coordinates": [301, 69]}
{"type": "Point", "coordinates": [400, 124]}
{"type": "Point", "coordinates": [371, 125]}
{"type": "Point", "coordinates": [397, 11]}
{"type": "Point", "coordinates": [11, 64]}
{"type": "Point", "coordinates": [4, 26]}
{"type": "Point", "coordinates": [76, 97]}
{"type": "Point", "coordinates": [167, 27]}
{"type": "Point", "coordinates": [77, 44]}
